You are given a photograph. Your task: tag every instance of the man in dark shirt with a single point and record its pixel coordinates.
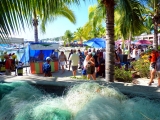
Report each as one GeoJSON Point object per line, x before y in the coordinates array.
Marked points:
{"type": "Point", "coordinates": [71, 52]}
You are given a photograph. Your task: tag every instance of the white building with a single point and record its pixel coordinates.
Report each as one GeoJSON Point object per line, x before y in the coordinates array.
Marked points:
{"type": "Point", "coordinates": [149, 37]}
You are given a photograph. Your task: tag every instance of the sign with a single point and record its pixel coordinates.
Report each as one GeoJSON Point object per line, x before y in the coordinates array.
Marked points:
{"type": "Point", "coordinates": [12, 40]}
{"type": "Point", "coordinates": [44, 46]}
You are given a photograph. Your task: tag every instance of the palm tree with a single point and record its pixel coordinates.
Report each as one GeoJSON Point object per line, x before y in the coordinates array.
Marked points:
{"type": "Point", "coordinates": [68, 36]}
{"type": "Point", "coordinates": [14, 14]}
{"type": "Point", "coordinates": [154, 13]}
{"type": "Point", "coordinates": [61, 11]}
{"type": "Point", "coordinates": [130, 23]}
{"type": "Point", "coordinates": [79, 35]}
{"type": "Point", "coordinates": [128, 7]}
{"type": "Point", "coordinates": [93, 28]}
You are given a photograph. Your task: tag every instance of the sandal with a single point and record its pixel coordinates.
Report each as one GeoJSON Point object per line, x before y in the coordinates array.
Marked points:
{"type": "Point", "coordinates": [149, 83]}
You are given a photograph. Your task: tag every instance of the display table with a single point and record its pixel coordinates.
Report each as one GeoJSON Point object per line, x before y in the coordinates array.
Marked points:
{"type": "Point", "coordinates": [36, 67]}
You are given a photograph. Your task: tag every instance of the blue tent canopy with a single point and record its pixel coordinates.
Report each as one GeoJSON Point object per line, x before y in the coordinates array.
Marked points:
{"type": "Point", "coordinates": [96, 42]}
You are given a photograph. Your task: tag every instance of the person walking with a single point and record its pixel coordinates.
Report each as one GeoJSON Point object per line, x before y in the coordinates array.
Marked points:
{"type": "Point", "coordinates": [97, 61]}
{"type": "Point", "coordinates": [153, 58]}
{"type": "Point", "coordinates": [158, 68]}
{"type": "Point", "coordinates": [74, 58]}
{"type": "Point", "coordinates": [90, 67]}
{"type": "Point", "coordinates": [71, 52]}
{"type": "Point", "coordinates": [62, 60]}
{"type": "Point", "coordinates": [81, 59]}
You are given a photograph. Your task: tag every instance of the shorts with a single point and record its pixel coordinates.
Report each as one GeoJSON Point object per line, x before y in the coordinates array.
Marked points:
{"type": "Point", "coordinates": [74, 68]}
{"type": "Point", "coordinates": [62, 63]}
{"type": "Point", "coordinates": [152, 66]}
{"type": "Point", "coordinates": [90, 70]}
{"type": "Point", "coordinates": [158, 74]}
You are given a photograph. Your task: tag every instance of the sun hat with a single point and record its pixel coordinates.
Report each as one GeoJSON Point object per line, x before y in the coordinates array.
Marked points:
{"type": "Point", "coordinates": [48, 58]}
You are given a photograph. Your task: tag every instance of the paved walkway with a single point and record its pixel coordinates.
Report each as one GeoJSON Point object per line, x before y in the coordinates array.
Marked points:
{"type": "Point", "coordinates": [139, 87]}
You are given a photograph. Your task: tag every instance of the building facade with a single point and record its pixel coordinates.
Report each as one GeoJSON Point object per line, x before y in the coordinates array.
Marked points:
{"type": "Point", "coordinates": [149, 37]}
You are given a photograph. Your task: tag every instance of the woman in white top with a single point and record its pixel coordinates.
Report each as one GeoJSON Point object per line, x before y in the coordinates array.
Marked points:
{"type": "Point", "coordinates": [134, 53]}
{"type": "Point", "coordinates": [62, 60]}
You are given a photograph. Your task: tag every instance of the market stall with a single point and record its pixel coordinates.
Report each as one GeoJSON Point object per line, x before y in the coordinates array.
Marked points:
{"type": "Point", "coordinates": [38, 53]}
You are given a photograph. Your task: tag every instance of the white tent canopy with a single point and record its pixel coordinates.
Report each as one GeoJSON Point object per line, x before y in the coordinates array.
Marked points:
{"type": "Point", "coordinates": [12, 40]}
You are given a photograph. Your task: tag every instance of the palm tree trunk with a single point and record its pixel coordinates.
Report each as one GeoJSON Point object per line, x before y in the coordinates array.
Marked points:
{"type": "Point", "coordinates": [35, 24]}
{"type": "Point", "coordinates": [155, 40]}
{"type": "Point", "coordinates": [155, 22]}
{"type": "Point", "coordinates": [129, 45]}
{"type": "Point", "coordinates": [110, 45]}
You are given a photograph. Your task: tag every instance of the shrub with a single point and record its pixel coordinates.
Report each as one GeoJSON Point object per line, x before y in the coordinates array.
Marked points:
{"type": "Point", "coordinates": [142, 66]}
{"type": "Point", "coordinates": [123, 75]}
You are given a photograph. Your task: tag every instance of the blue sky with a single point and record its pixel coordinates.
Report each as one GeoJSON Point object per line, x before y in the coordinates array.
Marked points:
{"type": "Point", "coordinates": [60, 25]}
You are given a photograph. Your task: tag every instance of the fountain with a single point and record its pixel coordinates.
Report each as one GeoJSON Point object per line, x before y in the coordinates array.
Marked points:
{"type": "Point", "coordinates": [86, 101]}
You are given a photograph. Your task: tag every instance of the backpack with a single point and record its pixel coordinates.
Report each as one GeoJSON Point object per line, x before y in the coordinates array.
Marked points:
{"type": "Point", "coordinates": [46, 68]}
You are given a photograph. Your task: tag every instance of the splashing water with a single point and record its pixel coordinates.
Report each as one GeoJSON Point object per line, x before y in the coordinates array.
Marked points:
{"type": "Point", "coordinates": [87, 101]}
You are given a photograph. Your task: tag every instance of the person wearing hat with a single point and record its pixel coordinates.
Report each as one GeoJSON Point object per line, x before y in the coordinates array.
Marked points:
{"type": "Point", "coordinates": [47, 68]}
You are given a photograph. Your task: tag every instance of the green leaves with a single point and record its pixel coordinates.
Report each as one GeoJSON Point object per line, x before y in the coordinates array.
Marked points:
{"type": "Point", "coordinates": [15, 14]}
{"type": "Point", "coordinates": [131, 20]}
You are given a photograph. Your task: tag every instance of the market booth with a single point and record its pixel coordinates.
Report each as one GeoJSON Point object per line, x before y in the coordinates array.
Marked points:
{"type": "Point", "coordinates": [47, 50]}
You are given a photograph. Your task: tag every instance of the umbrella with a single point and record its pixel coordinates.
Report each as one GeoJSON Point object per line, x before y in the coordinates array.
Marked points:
{"type": "Point", "coordinates": [143, 42]}
{"type": "Point", "coordinates": [96, 42]}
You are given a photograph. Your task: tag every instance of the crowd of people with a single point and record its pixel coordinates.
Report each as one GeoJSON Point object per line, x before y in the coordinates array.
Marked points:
{"type": "Point", "coordinates": [136, 52]}
{"type": "Point", "coordinates": [9, 62]}
{"type": "Point", "coordinates": [91, 63]}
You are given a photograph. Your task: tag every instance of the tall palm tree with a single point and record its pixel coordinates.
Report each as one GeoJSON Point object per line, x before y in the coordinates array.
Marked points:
{"type": "Point", "coordinates": [44, 18]}
{"type": "Point", "coordinates": [15, 13]}
{"type": "Point", "coordinates": [126, 6]}
{"type": "Point", "coordinates": [154, 13]}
